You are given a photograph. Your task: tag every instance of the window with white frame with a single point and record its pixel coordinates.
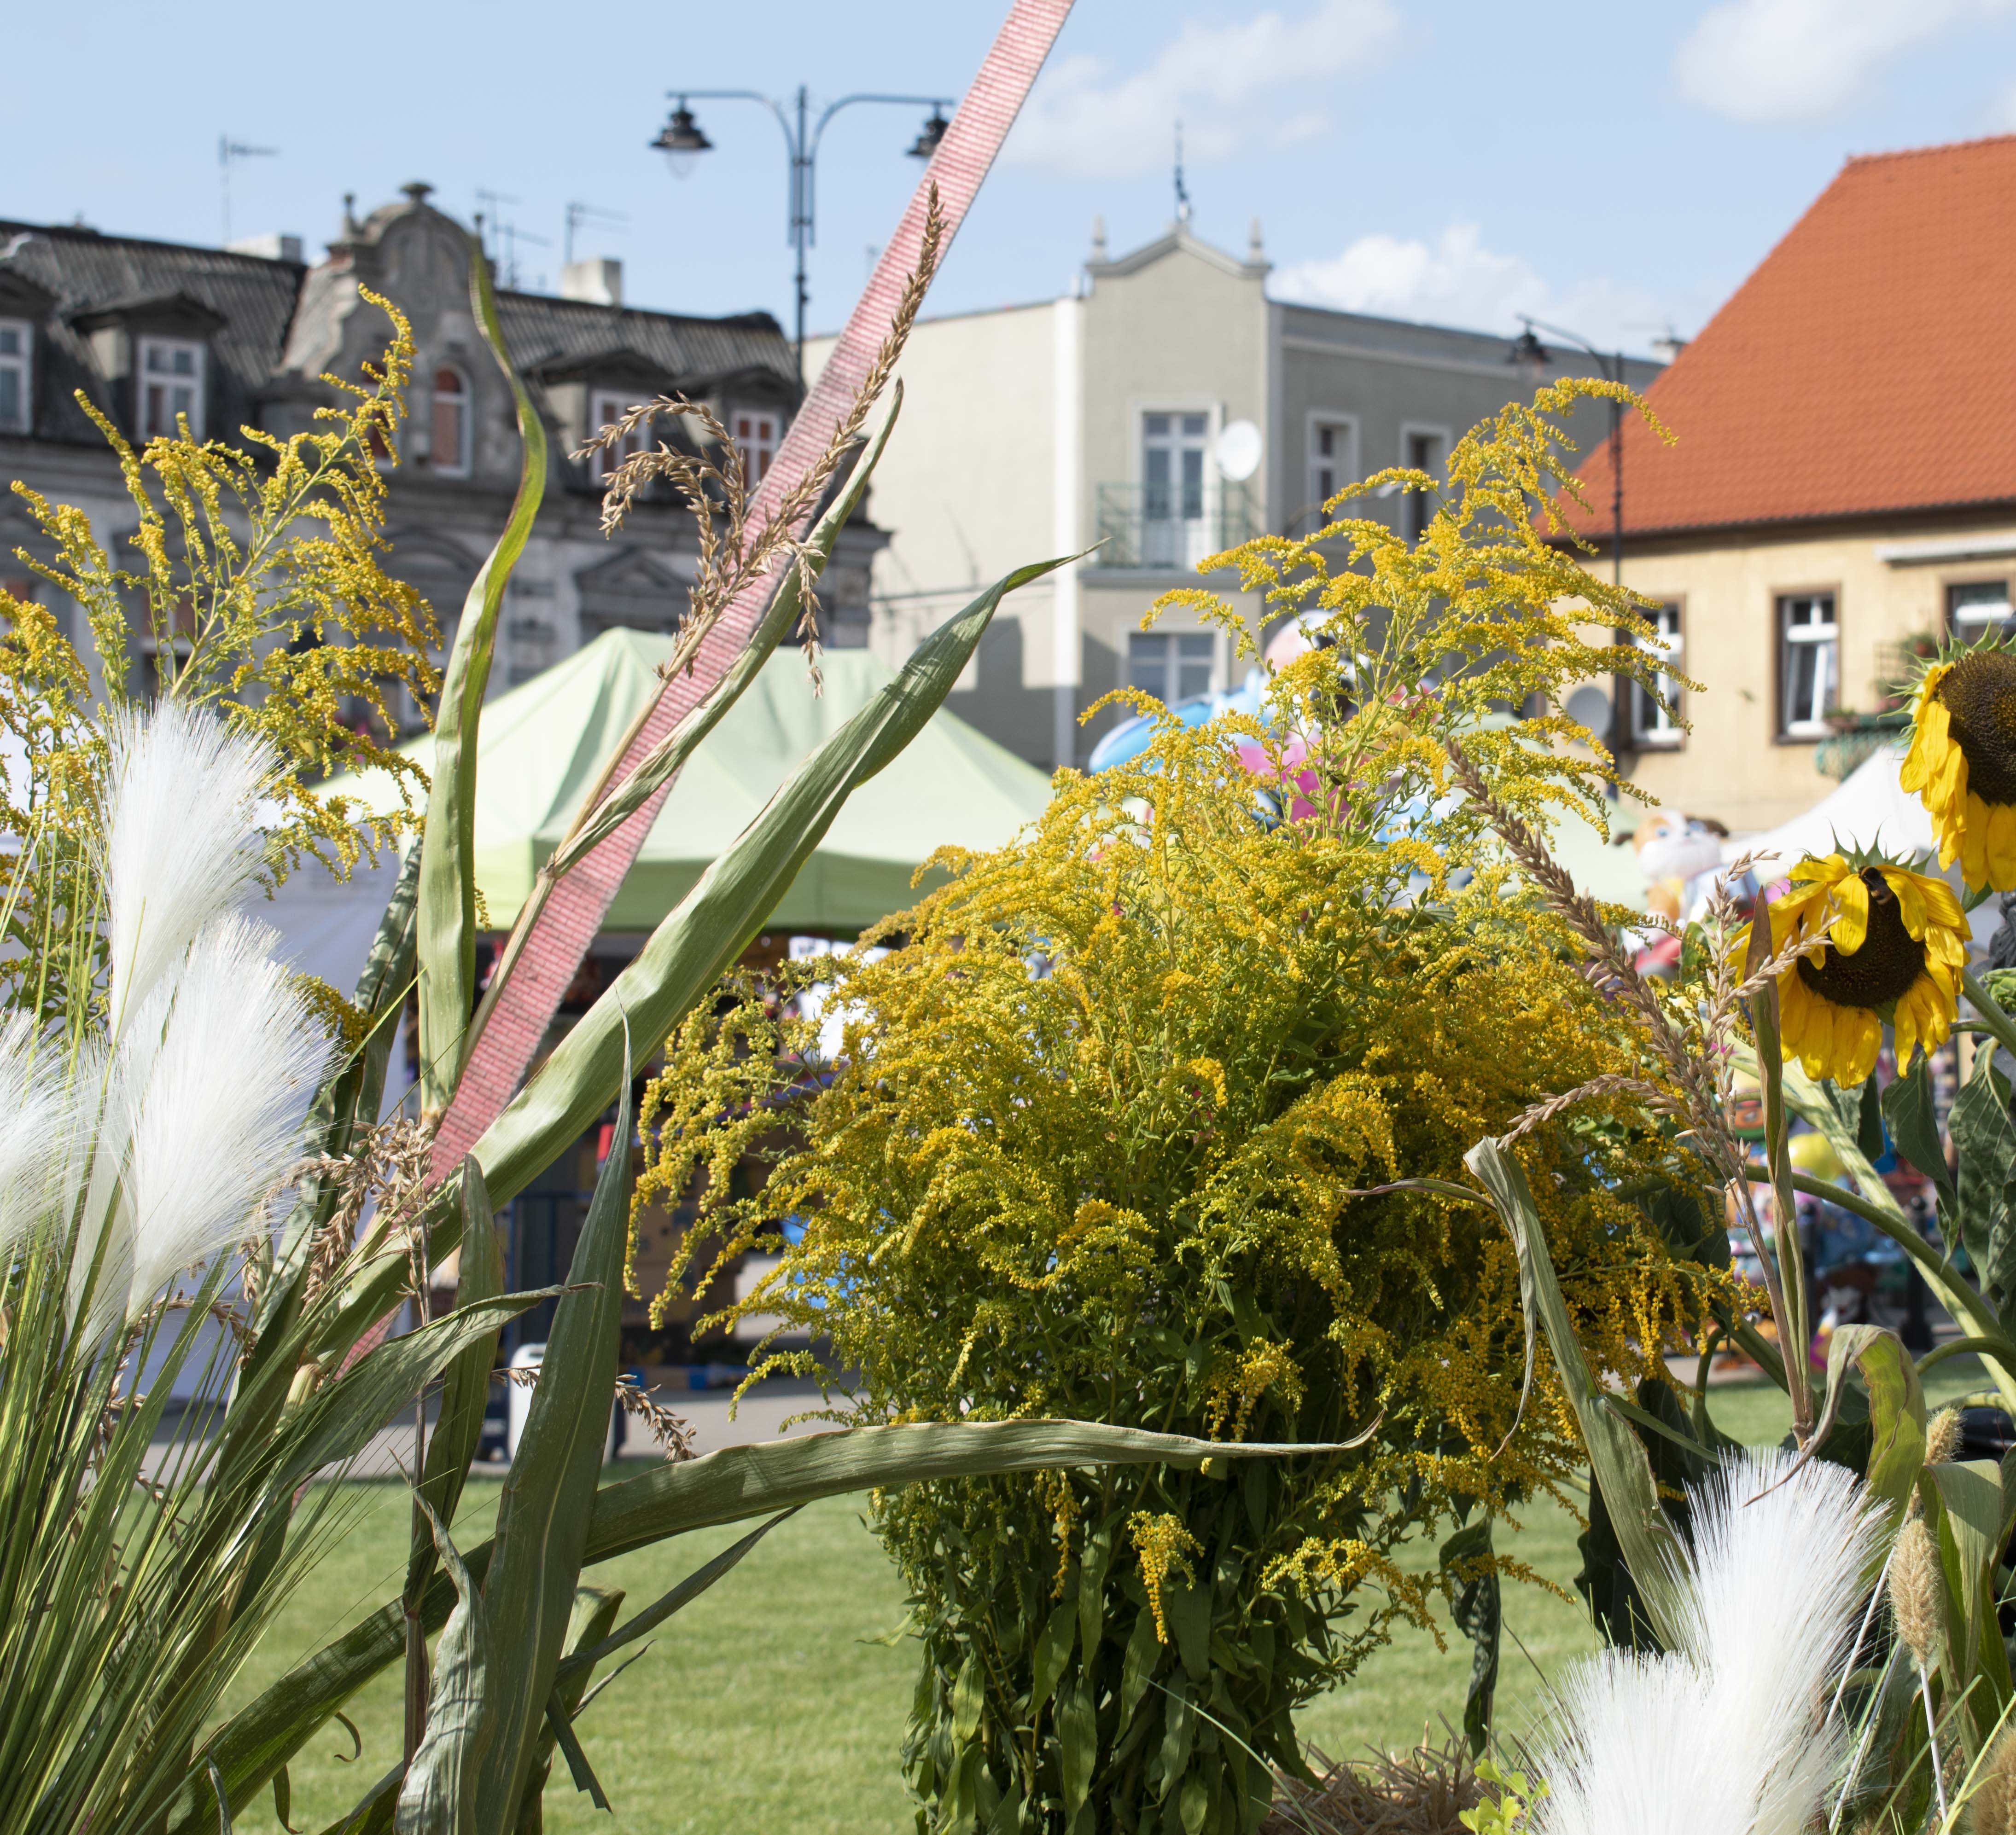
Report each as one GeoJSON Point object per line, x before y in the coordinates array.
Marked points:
{"type": "Point", "coordinates": [1652, 725]}
{"type": "Point", "coordinates": [1422, 449]}
{"type": "Point", "coordinates": [757, 431]}
{"type": "Point", "coordinates": [1979, 609]}
{"type": "Point", "coordinates": [1333, 457]}
{"type": "Point", "coordinates": [1172, 666]}
{"type": "Point", "coordinates": [605, 409]}
{"type": "Point", "coordinates": [448, 442]}
{"type": "Point", "coordinates": [1809, 663]}
{"type": "Point", "coordinates": [170, 389]}
{"type": "Point", "coordinates": [16, 347]}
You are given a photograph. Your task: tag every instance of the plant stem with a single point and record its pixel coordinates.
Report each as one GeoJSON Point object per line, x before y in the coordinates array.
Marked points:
{"type": "Point", "coordinates": [1992, 1015]}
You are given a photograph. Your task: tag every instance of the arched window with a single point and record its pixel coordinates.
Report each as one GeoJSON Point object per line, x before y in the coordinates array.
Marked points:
{"type": "Point", "coordinates": [449, 445]}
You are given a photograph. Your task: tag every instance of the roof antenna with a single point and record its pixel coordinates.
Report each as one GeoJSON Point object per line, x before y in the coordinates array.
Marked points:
{"type": "Point", "coordinates": [1182, 197]}
{"type": "Point", "coordinates": [228, 151]}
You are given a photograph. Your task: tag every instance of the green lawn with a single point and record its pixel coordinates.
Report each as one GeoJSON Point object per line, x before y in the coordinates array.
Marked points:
{"type": "Point", "coordinates": [763, 1706]}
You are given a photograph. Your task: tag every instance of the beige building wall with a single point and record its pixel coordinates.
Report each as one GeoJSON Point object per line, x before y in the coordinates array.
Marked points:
{"type": "Point", "coordinates": [1890, 582]}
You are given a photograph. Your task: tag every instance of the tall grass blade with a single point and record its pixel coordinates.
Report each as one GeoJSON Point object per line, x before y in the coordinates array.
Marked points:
{"type": "Point", "coordinates": [438, 1797]}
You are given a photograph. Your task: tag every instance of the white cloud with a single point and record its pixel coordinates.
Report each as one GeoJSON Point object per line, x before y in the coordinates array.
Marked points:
{"type": "Point", "coordinates": [1234, 86]}
{"type": "Point", "coordinates": [1804, 61]}
{"type": "Point", "coordinates": [1457, 280]}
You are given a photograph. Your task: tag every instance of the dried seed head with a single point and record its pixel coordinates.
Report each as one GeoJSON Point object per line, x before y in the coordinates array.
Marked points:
{"type": "Point", "coordinates": [1942, 1438]}
{"type": "Point", "coordinates": [1914, 1589]}
{"type": "Point", "coordinates": [1994, 1801]}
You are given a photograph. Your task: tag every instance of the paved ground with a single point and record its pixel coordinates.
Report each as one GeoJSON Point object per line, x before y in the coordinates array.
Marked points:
{"type": "Point", "coordinates": [760, 1416]}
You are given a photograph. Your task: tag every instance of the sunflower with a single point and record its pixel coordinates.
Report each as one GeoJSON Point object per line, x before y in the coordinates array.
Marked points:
{"type": "Point", "coordinates": [1897, 942]}
{"type": "Point", "coordinates": [1963, 762]}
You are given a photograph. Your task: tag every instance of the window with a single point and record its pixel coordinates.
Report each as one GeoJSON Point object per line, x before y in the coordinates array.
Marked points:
{"type": "Point", "coordinates": [1172, 668]}
{"type": "Point", "coordinates": [1978, 609]}
{"type": "Point", "coordinates": [447, 445]}
{"type": "Point", "coordinates": [15, 341]}
{"type": "Point", "coordinates": [170, 387]}
{"type": "Point", "coordinates": [1172, 490]}
{"type": "Point", "coordinates": [1421, 450]}
{"type": "Point", "coordinates": [1333, 458]}
{"type": "Point", "coordinates": [756, 439]}
{"type": "Point", "coordinates": [1650, 723]}
{"type": "Point", "coordinates": [605, 410]}
{"type": "Point", "coordinates": [1809, 663]}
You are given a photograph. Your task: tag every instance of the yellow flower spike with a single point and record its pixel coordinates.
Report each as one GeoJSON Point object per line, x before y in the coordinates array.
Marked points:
{"type": "Point", "coordinates": [1962, 762]}
{"type": "Point", "coordinates": [1895, 940]}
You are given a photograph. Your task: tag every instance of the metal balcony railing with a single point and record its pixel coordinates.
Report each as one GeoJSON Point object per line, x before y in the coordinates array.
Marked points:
{"type": "Point", "coordinates": [1147, 526]}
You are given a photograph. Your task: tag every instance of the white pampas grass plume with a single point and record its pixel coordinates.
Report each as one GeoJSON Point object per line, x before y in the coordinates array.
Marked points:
{"type": "Point", "coordinates": [203, 1106]}
{"type": "Point", "coordinates": [35, 1128]}
{"type": "Point", "coordinates": [179, 840]}
{"type": "Point", "coordinates": [1766, 1609]}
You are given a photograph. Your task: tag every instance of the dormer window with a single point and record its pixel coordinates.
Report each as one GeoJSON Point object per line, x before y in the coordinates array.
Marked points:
{"type": "Point", "coordinates": [170, 387]}
{"type": "Point", "coordinates": [605, 407]}
{"type": "Point", "coordinates": [449, 445]}
{"type": "Point", "coordinates": [16, 346]}
{"type": "Point", "coordinates": [756, 432]}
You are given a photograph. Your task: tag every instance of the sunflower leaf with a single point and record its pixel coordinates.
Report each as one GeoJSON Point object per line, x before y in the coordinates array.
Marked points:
{"type": "Point", "coordinates": [1986, 1143]}
{"type": "Point", "coordinates": [1907, 1109]}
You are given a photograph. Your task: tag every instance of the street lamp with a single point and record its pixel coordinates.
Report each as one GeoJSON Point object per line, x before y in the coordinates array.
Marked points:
{"type": "Point", "coordinates": [1529, 352]}
{"type": "Point", "coordinates": [682, 141]}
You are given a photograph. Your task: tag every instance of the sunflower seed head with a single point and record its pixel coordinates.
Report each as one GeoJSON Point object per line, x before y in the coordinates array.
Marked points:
{"type": "Point", "coordinates": [1914, 1589]}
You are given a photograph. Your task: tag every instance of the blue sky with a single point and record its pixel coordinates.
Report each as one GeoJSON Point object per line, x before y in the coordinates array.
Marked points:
{"type": "Point", "coordinates": [1618, 168]}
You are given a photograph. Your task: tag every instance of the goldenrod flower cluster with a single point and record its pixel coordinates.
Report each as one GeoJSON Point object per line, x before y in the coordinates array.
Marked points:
{"type": "Point", "coordinates": [1115, 1133]}
{"type": "Point", "coordinates": [258, 582]}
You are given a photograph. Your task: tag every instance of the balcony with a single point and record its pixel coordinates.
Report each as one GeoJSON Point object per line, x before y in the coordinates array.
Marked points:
{"type": "Point", "coordinates": [1140, 526]}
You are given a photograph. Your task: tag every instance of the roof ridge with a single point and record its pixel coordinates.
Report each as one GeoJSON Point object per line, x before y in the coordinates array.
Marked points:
{"type": "Point", "coordinates": [1919, 152]}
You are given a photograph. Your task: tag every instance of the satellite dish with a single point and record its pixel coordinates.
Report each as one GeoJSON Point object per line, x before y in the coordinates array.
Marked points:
{"type": "Point", "coordinates": [1238, 452]}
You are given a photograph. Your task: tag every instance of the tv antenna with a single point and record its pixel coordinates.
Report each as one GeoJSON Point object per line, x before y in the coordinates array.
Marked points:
{"type": "Point", "coordinates": [581, 216]}
{"type": "Point", "coordinates": [1182, 197]}
{"type": "Point", "coordinates": [229, 153]}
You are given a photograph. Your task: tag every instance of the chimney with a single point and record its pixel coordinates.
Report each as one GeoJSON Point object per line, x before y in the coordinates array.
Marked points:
{"type": "Point", "coordinates": [599, 282]}
{"type": "Point", "coordinates": [269, 247]}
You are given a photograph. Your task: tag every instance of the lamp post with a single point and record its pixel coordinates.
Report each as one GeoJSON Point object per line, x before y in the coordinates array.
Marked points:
{"type": "Point", "coordinates": [682, 140]}
{"type": "Point", "coordinates": [1528, 351]}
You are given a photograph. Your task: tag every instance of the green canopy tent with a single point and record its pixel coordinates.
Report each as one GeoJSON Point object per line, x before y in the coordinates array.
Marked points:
{"type": "Point", "coordinates": [542, 744]}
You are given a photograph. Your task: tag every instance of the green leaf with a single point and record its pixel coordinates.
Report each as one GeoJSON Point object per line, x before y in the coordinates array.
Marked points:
{"type": "Point", "coordinates": [1077, 1739]}
{"type": "Point", "coordinates": [466, 1394]}
{"type": "Point", "coordinates": [1986, 1144]}
{"type": "Point", "coordinates": [1964, 1508]}
{"type": "Point", "coordinates": [594, 1610]}
{"type": "Point", "coordinates": [1138, 1667]}
{"type": "Point", "coordinates": [1896, 1406]}
{"type": "Point", "coordinates": [730, 1486]}
{"type": "Point", "coordinates": [1869, 1121]}
{"type": "Point", "coordinates": [1187, 1609]}
{"type": "Point", "coordinates": [1478, 1615]}
{"type": "Point", "coordinates": [1907, 1109]}
{"type": "Point", "coordinates": [688, 953]}
{"type": "Point", "coordinates": [438, 1797]}
{"type": "Point", "coordinates": [338, 1422]}
{"type": "Point", "coordinates": [544, 1513]}
{"type": "Point", "coordinates": [448, 842]}
{"type": "Point", "coordinates": [1054, 1645]}
{"type": "Point", "coordinates": [676, 1600]}
{"type": "Point", "coordinates": [1091, 1592]}
{"type": "Point", "coordinates": [968, 1694]}
{"type": "Point", "coordinates": [1652, 1552]}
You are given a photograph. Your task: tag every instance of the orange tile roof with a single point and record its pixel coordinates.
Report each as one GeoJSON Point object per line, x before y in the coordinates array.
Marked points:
{"type": "Point", "coordinates": [1869, 364]}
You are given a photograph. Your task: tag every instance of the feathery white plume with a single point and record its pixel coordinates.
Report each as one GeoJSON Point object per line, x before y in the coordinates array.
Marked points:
{"type": "Point", "coordinates": [35, 1128]}
{"type": "Point", "coordinates": [179, 839]}
{"type": "Point", "coordinates": [1728, 1734]}
{"type": "Point", "coordinates": [202, 1108]}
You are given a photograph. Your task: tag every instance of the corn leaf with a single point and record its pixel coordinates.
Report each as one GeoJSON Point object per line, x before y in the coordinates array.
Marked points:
{"type": "Point", "coordinates": [544, 1513]}
{"type": "Point", "coordinates": [438, 1797]}
{"type": "Point", "coordinates": [1963, 1510]}
{"type": "Point", "coordinates": [447, 886]}
{"type": "Point", "coordinates": [1652, 1552]}
{"type": "Point", "coordinates": [594, 1610]}
{"type": "Point", "coordinates": [729, 1486]}
{"type": "Point", "coordinates": [466, 1392]}
{"type": "Point", "coordinates": [690, 951]}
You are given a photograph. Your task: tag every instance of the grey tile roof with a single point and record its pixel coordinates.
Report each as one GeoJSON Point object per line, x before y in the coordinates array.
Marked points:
{"type": "Point", "coordinates": [254, 296]}
{"type": "Point", "coordinates": [544, 331]}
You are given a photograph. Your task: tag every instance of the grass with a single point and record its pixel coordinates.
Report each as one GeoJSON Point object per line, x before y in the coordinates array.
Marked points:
{"type": "Point", "coordinates": [767, 1704]}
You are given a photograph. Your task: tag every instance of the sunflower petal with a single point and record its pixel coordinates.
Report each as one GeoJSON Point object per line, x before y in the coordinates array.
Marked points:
{"type": "Point", "coordinates": [1850, 928]}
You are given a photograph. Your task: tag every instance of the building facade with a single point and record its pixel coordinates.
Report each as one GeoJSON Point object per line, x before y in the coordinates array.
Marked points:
{"type": "Point", "coordinates": [1839, 495]}
{"type": "Point", "coordinates": [149, 331]}
{"type": "Point", "coordinates": [1107, 418]}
